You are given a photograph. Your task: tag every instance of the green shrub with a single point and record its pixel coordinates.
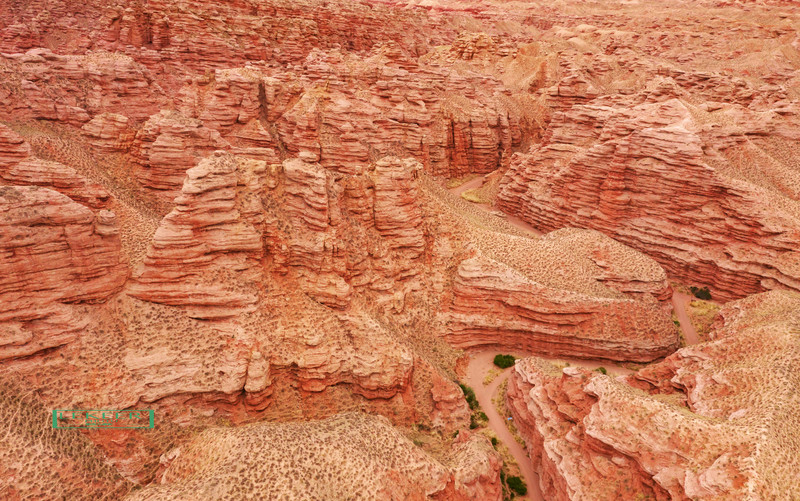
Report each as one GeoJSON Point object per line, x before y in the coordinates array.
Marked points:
{"type": "Point", "coordinates": [517, 485]}
{"type": "Point", "coordinates": [602, 370]}
{"type": "Point", "coordinates": [701, 293]}
{"type": "Point", "coordinates": [504, 361]}
{"type": "Point", "coordinates": [494, 441]}
{"type": "Point", "coordinates": [469, 394]}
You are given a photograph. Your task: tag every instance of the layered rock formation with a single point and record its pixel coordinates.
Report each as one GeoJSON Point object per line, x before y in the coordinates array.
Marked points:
{"type": "Point", "coordinates": [269, 170]}
{"type": "Point", "coordinates": [72, 88]}
{"type": "Point", "coordinates": [109, 133]}
{"type": "Point", "coordinates": [496, 305]}
{"type": "Point", "coordinates": [618, 170]}
{"type": "Point", "coordinates": [571, 292]}
{"type": "Point", "coordinates": [713, 421]}
{"type": "Point", "coordinates": [168, 145]}
{"type": "Point", "coordinates": [211, 233]}
{"type": "Point", "coordinates": [345, 111]}
{"type": "Point", "coordinates": [313, 249]}
{"type": "Point", "coordinates": [53, 251]}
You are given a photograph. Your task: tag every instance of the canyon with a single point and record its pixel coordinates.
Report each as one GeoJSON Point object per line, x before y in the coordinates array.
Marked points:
{"type": "Point", "coordinates": [299, 232]}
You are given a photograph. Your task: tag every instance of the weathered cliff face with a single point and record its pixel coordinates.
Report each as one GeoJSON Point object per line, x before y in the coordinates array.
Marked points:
{"type": "Point", "coordinates": [167, 146]}
{"type": "Point", "coordinates": [54, 250]}
{"type": "Point", "coordinates": [344, 111]}
{"type": "Point", "coordinates": [313, 249]}
{"type": "Point", "coordinates": [340, 233]}
{"type": "Point", "coordinates": [177, 37]}
{"type": "Point", "coordinates": [109, 133]}
{"type": "Point", "coordinates": [205, 254]}
{"type": "Point", "coordinates": [619, 170]}
{"type": "Point", "coordinates": [713, 421]}
{"type": "Point", "coordinates": [73, 88]}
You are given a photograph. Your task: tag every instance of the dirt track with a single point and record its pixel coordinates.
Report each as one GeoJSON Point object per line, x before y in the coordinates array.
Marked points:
{"type": "Point", "coordinates": [681, 302]}
{"type": "Point", "coordinates": [479, 365]}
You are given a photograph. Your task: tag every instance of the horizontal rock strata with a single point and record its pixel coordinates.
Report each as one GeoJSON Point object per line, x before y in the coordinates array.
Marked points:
{"type": "Point", "coordinates": [53, 250]}
{"type": "Point", "coordinates": [619, 170]}
{"type": "Point", "coordinates": [212, 230]}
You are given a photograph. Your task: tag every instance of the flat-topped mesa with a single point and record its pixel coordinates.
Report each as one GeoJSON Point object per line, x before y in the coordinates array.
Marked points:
{"type": "Point", "coordinates": [53, 250]}
{"type": "Point", "coordinates": [167, 146]}
{"type": "Point", "coordinates": [639, 174]}
{"type": "Point", "coordinates": [713, 421]}
{"type": "Point", "coordinates": [496, 305]}
{"type": "Point", "coordinates": [213, 230]}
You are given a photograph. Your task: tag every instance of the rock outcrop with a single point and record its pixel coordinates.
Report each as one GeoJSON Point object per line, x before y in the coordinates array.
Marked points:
{"type": "Point", "coordinates": [344, 112]}
{"type": "Point", "coordinates": [313, 248]}
{"type": "Point", "coordinates": [341, 233]}
{"type": "Point", "coordinates": [618, 170]}
{"type": "Point", "coordinates": [53, 250]}
{"type": "Point", "coordinates": [712, 421]}
{"type": "Point", "coordinates": [495, 305]}
{"type": "Point", "coordinates": [212, 233]}
{"type": "Point", "coordinates": [109, 133]}
{"type": "Point", "coordinates": [72, 88]}
{"type": "Point", "coordinates": [571, 292]}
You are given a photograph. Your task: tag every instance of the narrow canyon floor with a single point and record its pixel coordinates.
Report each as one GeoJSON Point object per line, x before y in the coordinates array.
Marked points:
{"type": "Point", "coordinates": [282, 242]}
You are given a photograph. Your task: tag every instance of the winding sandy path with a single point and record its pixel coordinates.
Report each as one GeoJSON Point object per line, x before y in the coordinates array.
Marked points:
{"type": "Point", "coordinates": [473, 183]}
{"type": "Point", "coordinates": [477, 183]}
{"type": "Point", "coordinates": [479, 365]}
{"type": "Point", "coordinates": [681, 302]}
